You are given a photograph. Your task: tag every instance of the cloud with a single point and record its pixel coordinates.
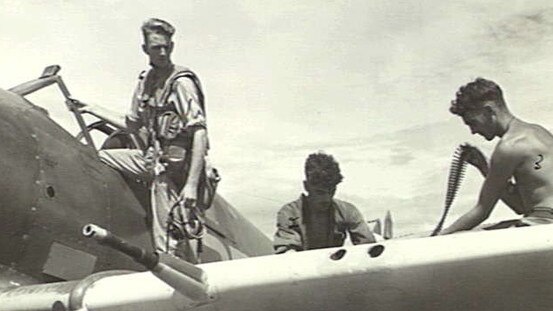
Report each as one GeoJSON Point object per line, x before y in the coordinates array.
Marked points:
{"type": "Point", "coordinates": [526, 30]}
{"type": "Point", "coordinates": [401, 156]}
{"type": "Point", "coordinates": [367, 81]}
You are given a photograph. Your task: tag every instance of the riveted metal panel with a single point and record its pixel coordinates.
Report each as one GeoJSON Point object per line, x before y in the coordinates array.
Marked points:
{"type": "Point", "coordinates": [18, 172]}
{"type": "Point", "coordinates": [66, 197]}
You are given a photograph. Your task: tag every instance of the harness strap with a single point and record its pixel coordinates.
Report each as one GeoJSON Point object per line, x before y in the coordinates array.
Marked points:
{"type": "Point", "coordinates": [181, 72]}
{"type": "Point", "coordinates": [190, 226]}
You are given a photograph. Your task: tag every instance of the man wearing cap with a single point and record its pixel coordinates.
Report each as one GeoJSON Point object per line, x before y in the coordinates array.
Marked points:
{"type": "Point", "coordinates": [317, 220]}
{"type": "Point", "coordinates": [168, 104]}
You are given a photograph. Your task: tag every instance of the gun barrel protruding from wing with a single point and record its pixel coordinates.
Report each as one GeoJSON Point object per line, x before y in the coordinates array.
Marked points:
{"type": "Point", "coordinates": [104, 237]}
{"type": "Point", "coordinates": [185, 278]}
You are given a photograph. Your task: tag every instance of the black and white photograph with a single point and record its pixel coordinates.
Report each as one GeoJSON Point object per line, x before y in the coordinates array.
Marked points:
{"type": "Point", "coordinates": [273, 155]}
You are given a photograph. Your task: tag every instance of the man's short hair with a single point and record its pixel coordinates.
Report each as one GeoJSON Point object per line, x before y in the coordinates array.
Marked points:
{"type": "Point", "coordinates": [473, 95]}
{"type": "Point", "coordinates": [157, 26]}
{"type": "Point", "coordinates": [321, 170]}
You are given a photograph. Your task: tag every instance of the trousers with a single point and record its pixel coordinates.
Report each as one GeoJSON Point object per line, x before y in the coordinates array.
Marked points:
{"type": "Point", "coordinates": [164, 194]}
{"type": "Point", "coordinates": [538, 216]}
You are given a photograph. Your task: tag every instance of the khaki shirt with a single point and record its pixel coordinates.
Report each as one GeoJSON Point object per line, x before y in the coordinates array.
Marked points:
{"type": "Point", "coordinates": [291, 226]}
{"type": "Point", "coordinates": [181, 92]}
{"type": "Point", "coordinates": [184, 93]}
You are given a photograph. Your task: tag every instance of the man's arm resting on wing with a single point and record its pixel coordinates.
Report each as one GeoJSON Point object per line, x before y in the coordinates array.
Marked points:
{"type": "Point", "coordinates": [359, 231]}
{"type": "Point", "coordinates": [503, 163]}
{"type": "Point", "coordinates": [469, 220]}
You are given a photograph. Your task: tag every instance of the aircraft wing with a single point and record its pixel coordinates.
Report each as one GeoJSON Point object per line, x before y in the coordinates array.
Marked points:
{"type": "Point", "coordinates": [487, 270]}
{"type": "Point", "coordinates": [136, 291]}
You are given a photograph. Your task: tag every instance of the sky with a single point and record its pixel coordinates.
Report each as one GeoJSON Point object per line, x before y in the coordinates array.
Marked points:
{"type": "Point", "coordinates": [367, 81]}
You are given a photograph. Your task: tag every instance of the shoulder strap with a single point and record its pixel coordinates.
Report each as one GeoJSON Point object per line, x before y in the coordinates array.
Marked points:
{"type": "Point", "coordinates": [181, 72]}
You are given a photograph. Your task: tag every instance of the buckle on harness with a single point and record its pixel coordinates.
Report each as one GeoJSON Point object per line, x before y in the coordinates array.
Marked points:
{"type": "Point", "coordinates": [184, 221]}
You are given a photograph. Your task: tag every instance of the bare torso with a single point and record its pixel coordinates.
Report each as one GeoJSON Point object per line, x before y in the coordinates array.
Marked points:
{"type": "Point", "coordinates": [533, 173]}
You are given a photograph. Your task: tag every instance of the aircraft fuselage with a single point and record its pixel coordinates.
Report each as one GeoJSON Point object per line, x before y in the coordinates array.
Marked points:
{"type": "Point", "coordinates": [53, 184]}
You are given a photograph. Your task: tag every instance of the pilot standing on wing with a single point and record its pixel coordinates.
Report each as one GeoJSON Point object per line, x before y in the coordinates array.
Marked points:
{"type": "Point", "coordinates": [168, 103]}
{"type": "Point", "coordinates": [524, 152]}
{"type": "Point", "coordinates": [317, 220]}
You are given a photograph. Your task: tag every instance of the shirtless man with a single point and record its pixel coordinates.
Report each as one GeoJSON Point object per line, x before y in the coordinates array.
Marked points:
{"type": "Point", "coordinates": [524, 152]}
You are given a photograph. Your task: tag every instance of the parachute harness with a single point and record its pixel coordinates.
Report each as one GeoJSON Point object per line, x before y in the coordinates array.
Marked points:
{"type": "Point", "coordinates": [456, 174]}
{"type": "Point", "coordinates": [186, 217]}
{"type": "Point", "coordinates": [185, 221]}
